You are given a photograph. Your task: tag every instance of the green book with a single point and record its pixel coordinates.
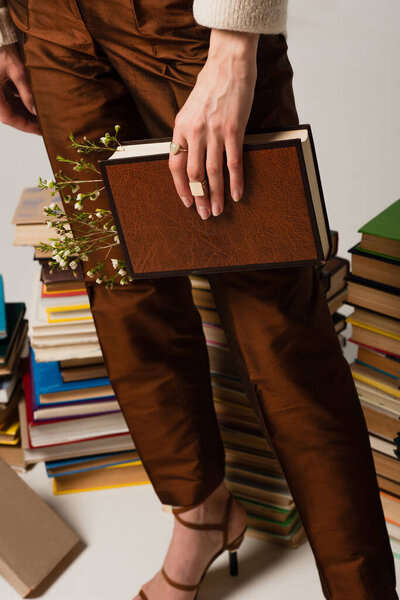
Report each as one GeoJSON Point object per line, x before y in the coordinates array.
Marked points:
{"type": "Point", "coordinates": [386, 224]}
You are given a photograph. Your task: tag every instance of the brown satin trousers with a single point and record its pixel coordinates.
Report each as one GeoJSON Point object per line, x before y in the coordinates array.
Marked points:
{"type": "Point", "coordinates": [96, 63]}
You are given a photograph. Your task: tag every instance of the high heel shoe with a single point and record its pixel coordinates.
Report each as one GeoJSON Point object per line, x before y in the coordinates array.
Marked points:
{"type": "Point", "coordinates": [231, 547]}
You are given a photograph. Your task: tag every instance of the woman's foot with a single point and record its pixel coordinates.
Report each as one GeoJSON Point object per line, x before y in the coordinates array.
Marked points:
{"type": "Point", "coordinates": [190, 550]}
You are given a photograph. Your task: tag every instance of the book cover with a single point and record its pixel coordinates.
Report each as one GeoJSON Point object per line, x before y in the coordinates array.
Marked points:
{"type": "Point", "coordinates": [386, 224]}
{"type": "Point", "coordinates": [48, 380]}
{"type": "Point", "coordinates": [30, 548]}
{"type": "Point", "coordinates": [283, 193]}
{"type": "Point", "coordinates": [359, 251]}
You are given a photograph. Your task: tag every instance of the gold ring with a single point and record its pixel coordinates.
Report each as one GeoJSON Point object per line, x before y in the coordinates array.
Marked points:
{"type": "Point", "coordinates": [174, 148]}
{"type": "Point", "coordinates": [197, 187]}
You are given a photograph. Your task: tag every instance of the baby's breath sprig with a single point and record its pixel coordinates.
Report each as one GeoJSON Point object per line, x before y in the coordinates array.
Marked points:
{"type": "Point", "coordinates": [89, 146]}
{"type": "Point", "coordinates": [92, 230]}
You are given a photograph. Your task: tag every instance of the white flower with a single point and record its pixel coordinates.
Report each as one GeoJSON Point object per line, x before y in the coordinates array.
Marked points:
{"type": "Point", "coordinates": [79, 197]}
{"type": "Point", "coordinates": [85, 257]}
{"type": "Point", "coordinates": [116, 239]}
{"type": "Point", "coordinates": [98, 280]}
{"type": "Point", "coordinates": [66, 252]}
{"type": "Point", "coordinates": [98, 214]}
{"type": "Point", "coordinates": [114, 262]}
{"type": "Point", "coordinates": [78, 206]}
{"type": "Point", "coordinates": [49, 224]}
{"type": "Point", "coordinates": [63, 262]}
{"type": "Point", "coordinates": [53, 206]}
{"type": "Point", "coordinates": [122, 282]}
{"type": "Point", "coordinates": [94, 195]}
{"type": "Point", "coordinates": [103, 140]}
{"type": "Point", "coordinates": [122, 272]}
{"type": "Point", "coordinates": [69, 234]}
{"type": "Point", "coordinates": [73, 264]}
{"type": "Point", "coordinates": [90, 273]}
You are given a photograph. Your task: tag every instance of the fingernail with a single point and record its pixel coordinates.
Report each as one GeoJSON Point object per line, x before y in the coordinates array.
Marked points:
{"type": "Point", "coordinates": [186, 201]}
{"type": "Point", "coordinates": [33, 109]}
{"type": "Point", "coordinates": [216, 209]}
{"type": "Point", "coordinates": [204, 212]}
{"type": "Point", "coordinates": [236, 195]}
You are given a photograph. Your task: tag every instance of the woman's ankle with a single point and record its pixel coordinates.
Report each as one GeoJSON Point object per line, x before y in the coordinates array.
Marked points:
{"type": "Point", "coordinates": [212, 506]}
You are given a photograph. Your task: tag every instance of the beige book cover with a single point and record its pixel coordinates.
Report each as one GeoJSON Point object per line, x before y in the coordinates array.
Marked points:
{"type": "Point", "coordinates": [34, 540]}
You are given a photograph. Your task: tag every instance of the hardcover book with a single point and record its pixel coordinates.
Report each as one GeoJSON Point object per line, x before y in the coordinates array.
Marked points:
{"type": "Point", "coordinates": [381, 235]}
{"type": "Point", "coordinates": [34, 540]}
{"type": "Point", "coordinates": [281, 219]}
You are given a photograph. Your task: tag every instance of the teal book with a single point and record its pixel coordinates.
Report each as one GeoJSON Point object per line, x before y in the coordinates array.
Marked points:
{"type": "Point", "coordinates": [3, 321]}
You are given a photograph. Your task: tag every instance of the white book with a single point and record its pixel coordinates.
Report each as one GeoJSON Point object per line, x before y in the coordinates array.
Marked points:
{"type": "Point", "coordinates": [76, 430]}
{"type": "Point", "coordinates": [67, 352]}
{"type": "Point", "coordinates": [45, 312]}
{"type": "Point", "coordinates": [381, 445]}
{"type": "Point", "coordinates": [52, 341]}
{"type": "Point", "coordinates": [117, 443]}
{"type": "Point", "coordinates": [75, 409]}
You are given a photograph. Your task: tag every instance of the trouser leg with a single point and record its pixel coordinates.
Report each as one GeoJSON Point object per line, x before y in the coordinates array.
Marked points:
{"type": "Point", "coordinates": [279, 327]}
{"type": "Point", "coordinates": [150, 332]}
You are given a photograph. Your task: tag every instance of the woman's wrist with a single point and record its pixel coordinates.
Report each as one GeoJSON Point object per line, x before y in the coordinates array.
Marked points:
{"type": "Point", "coordinates": [239, 44]}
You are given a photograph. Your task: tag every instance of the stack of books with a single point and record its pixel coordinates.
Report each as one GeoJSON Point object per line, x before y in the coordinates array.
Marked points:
{"type": "Point", "coordinates": [29, 220]}
{"type": "Point", "coordinates": [69, 417]}
{"type": "Point", "coordinates": [374, 290]}
{"type": "Point", "coordinates": [13, 345]}
{"type": "Point", "coordinates": [253, 472]}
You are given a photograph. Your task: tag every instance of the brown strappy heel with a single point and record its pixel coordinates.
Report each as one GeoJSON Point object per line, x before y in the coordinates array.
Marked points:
{"type": "Point", "coordinates": [232, 547]}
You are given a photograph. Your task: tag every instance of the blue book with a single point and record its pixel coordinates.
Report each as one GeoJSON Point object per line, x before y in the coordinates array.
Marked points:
{"type": "Point", "coordinates": [47, 379]}
{"type": "Point", "coordinates": [82, 463]}
{"type": "Point", "coordinates": [3, 320]}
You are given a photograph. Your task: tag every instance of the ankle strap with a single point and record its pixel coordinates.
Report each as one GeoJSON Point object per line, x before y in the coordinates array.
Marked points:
{"type": "Point", "coordinates": [221, 526]}
{"type": "Point", "coordinates": [179, 586]}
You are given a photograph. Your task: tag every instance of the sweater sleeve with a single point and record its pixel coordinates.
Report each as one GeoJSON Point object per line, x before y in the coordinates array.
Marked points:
{"type": "Point", "coordinates": [8, 33]}
{"type": "Point", "coordinates": [255, 16]}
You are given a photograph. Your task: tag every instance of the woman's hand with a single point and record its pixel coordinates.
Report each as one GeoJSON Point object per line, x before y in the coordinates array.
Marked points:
{"type": "Point", "coordinates": [214, 119]}
{"type": "Point", "coordinates": [17, 108]}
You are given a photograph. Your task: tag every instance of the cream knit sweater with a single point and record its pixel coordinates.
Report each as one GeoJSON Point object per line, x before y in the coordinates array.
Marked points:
{"type": "Point", "coordinates": [257, 16]}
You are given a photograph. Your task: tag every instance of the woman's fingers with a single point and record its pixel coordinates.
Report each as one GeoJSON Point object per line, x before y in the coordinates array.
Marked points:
{"type": "Point", "coordinates": [195, 169]}
{"type": "Point", "coordinates": [215, 174]}
{"type": "Point", "coordinates": [17, 75]}
{"type": "Point", "coordinates": [205, 160]}
{"type": "Point", "coordinates": [234, 160]}
{"type": "Point", "coordinates": [177, 165]}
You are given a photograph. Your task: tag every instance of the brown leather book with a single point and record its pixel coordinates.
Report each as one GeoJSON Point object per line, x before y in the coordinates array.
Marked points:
{"type": "Point", "coordinates": [281, 220]}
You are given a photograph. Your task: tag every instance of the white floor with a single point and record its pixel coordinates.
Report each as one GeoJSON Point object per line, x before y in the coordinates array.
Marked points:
{"type": "Point", "coordinates": [127, 534]}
